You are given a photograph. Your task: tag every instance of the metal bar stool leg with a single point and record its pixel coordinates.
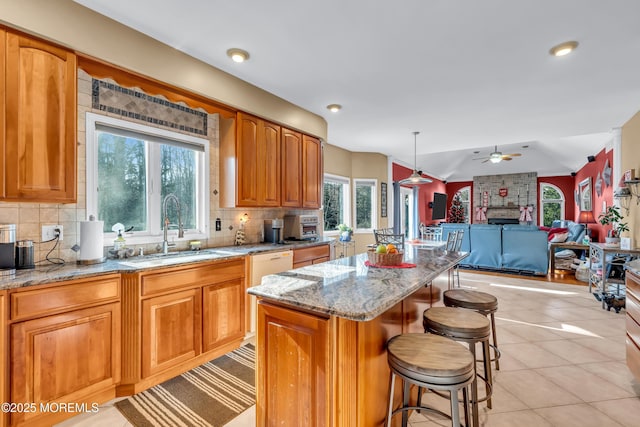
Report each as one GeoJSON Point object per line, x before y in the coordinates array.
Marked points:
{"type": "Point", "coordinates": [495, 341]}
{"type": "Point", "coordinates": [488, 384]}
{"type": "Point", "coordinates": [391, 389]}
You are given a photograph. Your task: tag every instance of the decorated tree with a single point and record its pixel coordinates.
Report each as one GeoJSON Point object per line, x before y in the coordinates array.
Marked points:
{"type": "Point", "coordinates": [456, 211]}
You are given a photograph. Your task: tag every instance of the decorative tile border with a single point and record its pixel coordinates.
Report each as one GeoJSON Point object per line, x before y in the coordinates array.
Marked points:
{"type": "Point", "coordinates": [129, 103]}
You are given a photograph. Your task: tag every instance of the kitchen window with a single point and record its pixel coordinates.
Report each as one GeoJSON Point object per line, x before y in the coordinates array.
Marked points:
{"type": "Point", "coordinates": [365, 204]}
{"type": "Point", "coordinates": [335, 203]}
{"type": "Point", "coordinates": [132, 167]}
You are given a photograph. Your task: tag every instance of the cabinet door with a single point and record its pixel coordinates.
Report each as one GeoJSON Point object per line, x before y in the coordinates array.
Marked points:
{"type": "Point", "coordinates": [258, 157]}
{"type": "Point", "coordinates": [170, 330]}
{"type": "Point", "coordinates": [222, 313]}
{"type": "Point", "coordinates": [40, 162]}
{"type": "Point", "coordinates": [311, 172]}
{"type": "Point", "coordinates": [291, 168]}
{"type": "Point", "coordinates": [3, 36]}
{"type": "Point", "coordinates": [247, 160]}
{"type": "Point", "coordinates": [294, 346]}
{"type": "Point", "coordinates": [64, 358]}
{"type": "Point", "coordinates": [268, 164]}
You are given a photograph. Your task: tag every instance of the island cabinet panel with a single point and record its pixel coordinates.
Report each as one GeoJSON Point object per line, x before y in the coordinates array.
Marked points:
{"type": "Point", "coordinates": [633, 322]}
{"type": "Point", "coordinates": [69, 357]}
{"type": "Point", "coordinates": [258, 162]}
{"type": "Point", "coordinates": [298, 394]}
{"type": "Point", "coordinates": [40, 109]}
{"type": "Point", "coordinates": [291, 168]}
{"type": "Point", "coordinates": [311, 172]}
{"type": "Point", "coordinates": [220, 320]}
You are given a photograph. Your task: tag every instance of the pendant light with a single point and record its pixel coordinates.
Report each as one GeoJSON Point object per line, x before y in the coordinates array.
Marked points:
{"type": "Point", "coordinates": [415, 178]}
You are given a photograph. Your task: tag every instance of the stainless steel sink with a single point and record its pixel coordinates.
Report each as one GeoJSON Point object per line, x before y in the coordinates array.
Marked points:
{"type": "Point", "coordinates": [177, 258]}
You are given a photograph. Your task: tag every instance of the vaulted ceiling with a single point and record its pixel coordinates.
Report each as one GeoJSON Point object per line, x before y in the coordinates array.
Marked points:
{"type": "Point", "coordinates": [469, 75]}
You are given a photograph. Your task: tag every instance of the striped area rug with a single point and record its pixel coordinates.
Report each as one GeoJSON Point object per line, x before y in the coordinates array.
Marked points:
{"type": "Point", "coordinates": [207, 396]}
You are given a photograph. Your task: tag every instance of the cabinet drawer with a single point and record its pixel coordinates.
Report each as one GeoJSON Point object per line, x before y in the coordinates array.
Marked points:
{"type": "Point", "coordinates": [633, 330]}
{"type": "Point", "coordinates": [185, 277]}
{"type": "Point", "coordinates": [633, 284]}
{"type": "Point", "coordinates": [632, 306]}
{"type": "Point", "coordinates": [308, 254]}
{"type": "Point", "coordinates": [66, 296]}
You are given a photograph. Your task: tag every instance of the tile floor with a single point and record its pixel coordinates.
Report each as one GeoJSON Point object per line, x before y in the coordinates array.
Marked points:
{"type": "Point", "coordinates": [563, 362]}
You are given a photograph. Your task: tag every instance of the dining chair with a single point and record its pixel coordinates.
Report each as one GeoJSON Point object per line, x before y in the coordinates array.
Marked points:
{"type": "Point", "coordinates": [385, 239]}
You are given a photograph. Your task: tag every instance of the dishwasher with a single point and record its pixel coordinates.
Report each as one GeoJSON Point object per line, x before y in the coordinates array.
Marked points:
{"type": "Point", "coordinates": [263, 265]}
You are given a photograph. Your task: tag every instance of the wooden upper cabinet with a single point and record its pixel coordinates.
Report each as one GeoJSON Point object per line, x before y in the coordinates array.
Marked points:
{"type": "Point", "coordinates": [258, 162]}
{"type": "Point", "coordinates": [3, 38]}
{"type": "Point", "coordinates": [291, 168]}
{"type": "Point", "coordinates": [40, 125]}
{"type": "Point", "coordinates": [311, 172]}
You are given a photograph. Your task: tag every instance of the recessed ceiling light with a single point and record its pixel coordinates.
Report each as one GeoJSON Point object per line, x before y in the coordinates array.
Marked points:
{"type": "Point", "coordinates": [525, 146]}
{"type": "Point", "coordinates": [563, 48]}
{"type": "Point", "coordinates": [238, 55]}
{"type": "Point", "coordinates": [476, 152]}
{"type": "Point", "coordinates": [334, 108]}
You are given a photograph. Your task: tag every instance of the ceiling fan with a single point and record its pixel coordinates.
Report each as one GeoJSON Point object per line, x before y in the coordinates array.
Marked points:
{"type": "Point", "coordinates": [497, 156]}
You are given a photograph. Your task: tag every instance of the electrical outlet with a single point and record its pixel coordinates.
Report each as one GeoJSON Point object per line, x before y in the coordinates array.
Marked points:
{"type": "Point", "coordinates": [49, 232]}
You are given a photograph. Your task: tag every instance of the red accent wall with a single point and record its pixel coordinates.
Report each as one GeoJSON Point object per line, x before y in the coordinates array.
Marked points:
{"type": "Point", "coordinates": [565, 183]}
{"type": "Point", "coordinates": [425, 194]}
{"type": "Point", "coordinates": [591, 169]}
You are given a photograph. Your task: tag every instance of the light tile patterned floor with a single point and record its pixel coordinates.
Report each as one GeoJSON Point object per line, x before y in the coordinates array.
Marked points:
{"type": "Point", "coordinates": [563, 362]}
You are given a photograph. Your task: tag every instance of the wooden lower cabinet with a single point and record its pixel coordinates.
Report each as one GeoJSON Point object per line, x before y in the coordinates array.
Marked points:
{"type": "Point", "coordinates": [72, 357]}
{"type": "Point", "coordinates": [219, 325]}
{"type": "Point", "coordinates": [170, 332]}
{"type": "Point", "coordinates": [312, 255]}
{"type": "Point", "coordinates": [295, 393]}
{"type": "Point", "coordinates": [177, 318]}
{"type": "Point", "coordinates": [633, 322]}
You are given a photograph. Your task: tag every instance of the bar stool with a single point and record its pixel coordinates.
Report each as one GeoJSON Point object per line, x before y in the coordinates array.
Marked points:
{"type": "Point", "coordinates": [469, 327]}
{"type": "Point", "coordinates": [433, 362]}
{"type": "Point", "coordinates": [481, 302]}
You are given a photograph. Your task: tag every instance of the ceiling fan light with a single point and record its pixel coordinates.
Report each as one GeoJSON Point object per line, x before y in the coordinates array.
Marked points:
{"type": "Point", "coordinates": [495, 159]}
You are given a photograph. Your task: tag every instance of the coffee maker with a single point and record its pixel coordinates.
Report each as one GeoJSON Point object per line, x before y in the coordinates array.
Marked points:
{"type": "Point", "coordinates": [7, 249]}
{"type": "Point", "coordinates": [273, 231]}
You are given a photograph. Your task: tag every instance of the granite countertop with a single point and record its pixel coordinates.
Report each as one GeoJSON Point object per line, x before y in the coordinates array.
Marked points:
{"type": "Point", "coordinates": [347, 288]}
{"type": "Point", "coordinates": [48, 273]}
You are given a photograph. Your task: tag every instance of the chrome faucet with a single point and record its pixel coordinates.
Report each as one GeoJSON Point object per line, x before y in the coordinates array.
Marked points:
{"type": "Point", "coordinates": [165, 242]}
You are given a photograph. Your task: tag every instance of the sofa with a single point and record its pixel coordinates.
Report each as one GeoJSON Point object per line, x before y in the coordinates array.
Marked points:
{"type": "Point", "coordinates": [508, 248]}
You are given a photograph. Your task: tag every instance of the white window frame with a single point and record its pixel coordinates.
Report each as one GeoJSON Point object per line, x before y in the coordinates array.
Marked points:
{"type": "Point", "coordinates": [346, 196]}
{"type": "Point", "coordinates": [562, 200]}
{"type": "Point", "coordinates": [374, 201]}
{"type": "Point", "coordinates": [468, 203]}
{"type": "Point", "coordinates": [155, 232]}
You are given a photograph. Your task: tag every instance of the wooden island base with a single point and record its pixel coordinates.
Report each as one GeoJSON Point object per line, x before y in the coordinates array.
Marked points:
{"type": "Point", "coordinates": [319, 370]}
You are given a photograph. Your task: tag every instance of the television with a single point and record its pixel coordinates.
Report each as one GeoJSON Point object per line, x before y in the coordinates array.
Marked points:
{"type": "Point", "coordinates": [439, 206]}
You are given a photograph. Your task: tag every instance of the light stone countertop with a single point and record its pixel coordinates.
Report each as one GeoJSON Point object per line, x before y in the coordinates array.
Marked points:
{"type": "Point", "coordinates": [48, 273]}
{"type": "Point", "coordinates": [347, 288]}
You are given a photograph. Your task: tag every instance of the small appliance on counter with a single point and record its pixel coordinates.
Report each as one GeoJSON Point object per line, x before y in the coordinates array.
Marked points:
{"type": "Point", "coordinates": [273, 231]}
{"type": "Point", "coordinates": [24, 255]}
{"type": "Point", "coordinates": [301, 227]}
{"type": "Point", "coordinates": [7, 249]}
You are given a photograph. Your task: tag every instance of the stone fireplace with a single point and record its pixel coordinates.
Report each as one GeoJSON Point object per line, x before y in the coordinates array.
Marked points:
{"type": "Point", "coordinates": [506, 194]}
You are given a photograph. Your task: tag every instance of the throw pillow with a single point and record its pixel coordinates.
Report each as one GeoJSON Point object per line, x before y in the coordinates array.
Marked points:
{"type": "Point", "coordinates": [556, 230]}
{"type": "Point", "coordinates": [559, 237]}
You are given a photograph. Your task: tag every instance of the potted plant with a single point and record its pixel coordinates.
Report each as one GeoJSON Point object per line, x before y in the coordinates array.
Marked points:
{"type": "Point", "coordinates": [345, 232]}
{"type": "Point", "coordinates": [611, 216]}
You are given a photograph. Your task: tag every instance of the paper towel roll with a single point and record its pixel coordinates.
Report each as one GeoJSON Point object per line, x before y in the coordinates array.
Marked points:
{"type": "Point", "coordinates": [91, 241]}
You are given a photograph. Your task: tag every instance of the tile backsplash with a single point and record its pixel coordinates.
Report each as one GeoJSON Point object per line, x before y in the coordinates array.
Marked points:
{"type": "Point", "coordinates": [107, 98]}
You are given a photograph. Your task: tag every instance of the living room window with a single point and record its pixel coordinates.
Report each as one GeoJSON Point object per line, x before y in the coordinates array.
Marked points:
{"type": "Point", "coordinates": [551, 203]}
{"type": "Point", "coordinates": [465, 200]}
{"type": "Point", "coordinates": [335, 202]}
{"type": "Point", "coordinates": [365, 204]}
{"type": "Point", "coordinates": [132, 167]}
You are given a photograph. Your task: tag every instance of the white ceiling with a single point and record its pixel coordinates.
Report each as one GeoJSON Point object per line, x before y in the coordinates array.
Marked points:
{"type": "Point", "coordinates": [467, 74]}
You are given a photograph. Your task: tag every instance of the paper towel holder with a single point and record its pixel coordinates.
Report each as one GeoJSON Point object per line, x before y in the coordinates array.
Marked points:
{"type": "Point", "coordinates": [77, 247]}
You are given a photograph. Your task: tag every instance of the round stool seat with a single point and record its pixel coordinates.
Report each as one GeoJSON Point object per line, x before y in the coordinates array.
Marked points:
{"type": "Point", "coordinates": [473, 300]}
{"type": "Point", "coordinates": [457, 322]}
{"type": "Point", "coordinates": [430, 358]}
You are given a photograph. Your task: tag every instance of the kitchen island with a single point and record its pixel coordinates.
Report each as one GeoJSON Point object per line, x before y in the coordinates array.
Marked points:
{"type": "Point", "coordinates": [322, 333]}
